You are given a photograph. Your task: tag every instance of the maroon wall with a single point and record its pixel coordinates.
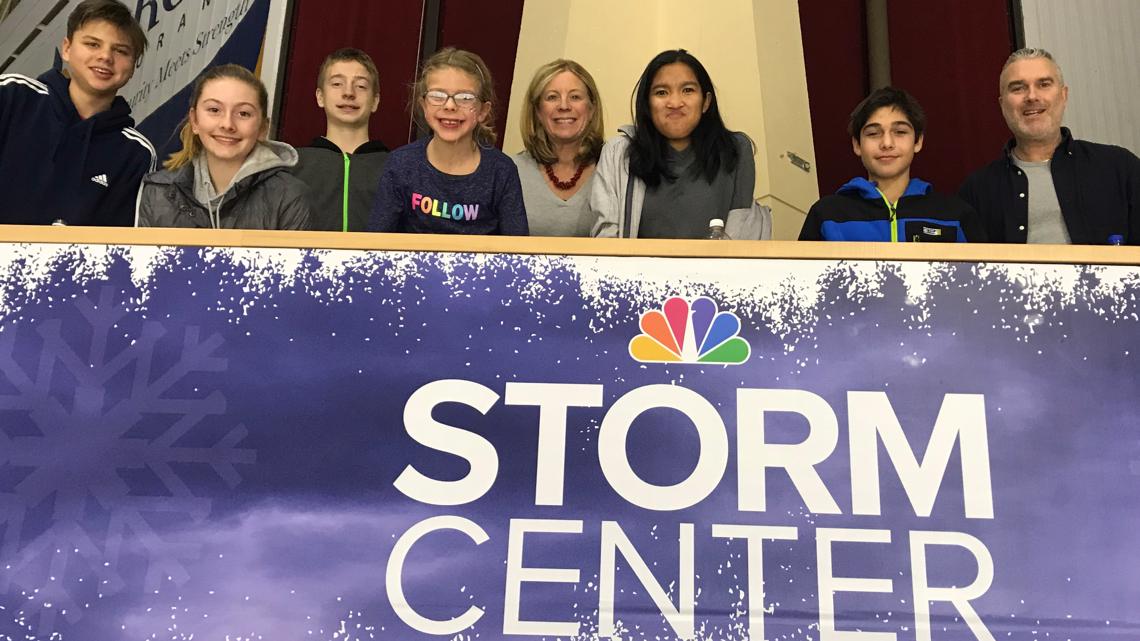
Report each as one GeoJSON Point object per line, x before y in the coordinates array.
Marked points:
{"type": "Point", "coordinates": [835, 55]}
{"type": "Point", "coordinates": [389, 31]}
{"type": "Point", "coordinates": [947, 54]}
{"type": "Point", "coordinates": [490, 29]}
{"type": "Point", "coordinates": [390, 36]}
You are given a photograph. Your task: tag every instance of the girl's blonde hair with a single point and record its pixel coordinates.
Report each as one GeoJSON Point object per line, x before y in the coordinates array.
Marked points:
{"type": "Point", "coordinates": [191, 145]}
{"type": "Point", "coordinates": [472, 65]}
{"type": "Point", "coordinates": [535, 137]}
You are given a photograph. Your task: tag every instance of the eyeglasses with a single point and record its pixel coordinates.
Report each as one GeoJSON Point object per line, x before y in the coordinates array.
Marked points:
{"type": "Point", "coordinates": [463, 99]}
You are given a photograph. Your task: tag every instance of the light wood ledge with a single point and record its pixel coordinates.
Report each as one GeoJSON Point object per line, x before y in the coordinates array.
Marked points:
{"type": "Point", "coordinates": [957, 252]}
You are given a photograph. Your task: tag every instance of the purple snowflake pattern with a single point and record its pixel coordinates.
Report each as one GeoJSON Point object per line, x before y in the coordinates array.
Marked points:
{"type": "Point", "coordinates": [69, 445]}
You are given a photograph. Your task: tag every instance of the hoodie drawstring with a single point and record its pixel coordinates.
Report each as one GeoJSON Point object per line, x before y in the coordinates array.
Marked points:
{"type": "Point", "coordinates": [216, 214]}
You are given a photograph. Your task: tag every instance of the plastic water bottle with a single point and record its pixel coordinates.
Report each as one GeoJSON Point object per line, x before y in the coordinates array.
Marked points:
{"type": "Point", "coordinates": [716, 230]}
{"type": "Point", "coordinates": [1116, 239]}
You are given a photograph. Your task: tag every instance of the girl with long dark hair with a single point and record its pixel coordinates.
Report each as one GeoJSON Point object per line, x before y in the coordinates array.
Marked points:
{"type": "Point", "coordinates": [678, 167]}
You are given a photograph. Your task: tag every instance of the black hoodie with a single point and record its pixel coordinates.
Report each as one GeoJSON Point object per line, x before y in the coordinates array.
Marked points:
{"type": "Point", "coordinates": [325, 169]}
{"type": "Point", "coordinates": [55, 165]}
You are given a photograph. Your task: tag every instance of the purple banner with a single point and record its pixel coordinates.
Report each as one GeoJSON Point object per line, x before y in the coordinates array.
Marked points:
{"type": "Point", "coordinates": [300, 444]}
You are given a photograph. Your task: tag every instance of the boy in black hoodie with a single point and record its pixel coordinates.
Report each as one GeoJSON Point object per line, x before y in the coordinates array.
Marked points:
{"type": "Point", "coordinates": [342, 168]}
{"type": "Point", "coordinates": [889, 205]}
{"type": "Point", "coordinates": [68, 150]}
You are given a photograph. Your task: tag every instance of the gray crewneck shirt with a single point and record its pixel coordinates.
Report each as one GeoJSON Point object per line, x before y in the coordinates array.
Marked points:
{"type": "Point", "coordinates": [546, 213]}
{"type": "Point", "coordinates": [1046, 223]}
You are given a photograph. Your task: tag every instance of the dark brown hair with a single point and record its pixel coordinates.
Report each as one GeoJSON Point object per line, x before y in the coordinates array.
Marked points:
{"type": "Point", "coordinates": [713, 144]}
{"type": "Point", "coordinates": [887, 97]}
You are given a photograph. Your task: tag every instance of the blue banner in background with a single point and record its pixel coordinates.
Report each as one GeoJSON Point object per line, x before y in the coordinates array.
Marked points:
{"type": "Point", "coordinates": [291, 444]}
{"type": "Point", "coordinates": [196, 39]}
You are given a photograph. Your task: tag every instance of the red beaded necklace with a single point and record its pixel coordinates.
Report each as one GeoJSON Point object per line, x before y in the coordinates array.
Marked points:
{"type": "Point", "coordinates": [567, 184]}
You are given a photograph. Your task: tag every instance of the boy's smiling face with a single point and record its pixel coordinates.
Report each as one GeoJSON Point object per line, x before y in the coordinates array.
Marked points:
{"type": "Point", "coordinates": [100, 58]}
{"type": "Point", "coordinates": [347, 94]}
{"type": "Point", "coordinates": [887, 144]}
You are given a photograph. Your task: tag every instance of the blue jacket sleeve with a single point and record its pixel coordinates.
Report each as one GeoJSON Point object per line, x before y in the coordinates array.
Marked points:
{"type": "Point", "coordinates": [811, 229]}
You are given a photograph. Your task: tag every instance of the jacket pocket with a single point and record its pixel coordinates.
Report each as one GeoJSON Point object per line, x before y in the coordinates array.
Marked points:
{"type": "Point", "coordinates": [924, 231]}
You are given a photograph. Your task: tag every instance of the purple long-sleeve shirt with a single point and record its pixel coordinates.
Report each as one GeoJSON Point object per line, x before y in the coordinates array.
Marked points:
{"type": "Point", "coordinates": [414, 196]}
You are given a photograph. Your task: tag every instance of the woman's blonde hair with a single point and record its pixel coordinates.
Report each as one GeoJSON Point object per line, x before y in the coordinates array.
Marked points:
{"type": "Point", "coordinates": [472, 65]}
{"type": "Point", "coordinates": [191, 145]}
{"type": "Point", "coordinates": [535, 137]}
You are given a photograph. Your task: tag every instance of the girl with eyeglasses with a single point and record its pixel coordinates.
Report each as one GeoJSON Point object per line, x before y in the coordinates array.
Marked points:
{"type": "Point", "coordinates": [678, 167]}
{"type": "Point", "coordinates": [454, 181]}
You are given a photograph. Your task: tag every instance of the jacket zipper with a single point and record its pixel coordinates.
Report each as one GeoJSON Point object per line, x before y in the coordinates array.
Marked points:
{"type": "Point", "coordinates": [344, 204]}
{"type": "Point", "coordinates": [894, 216]}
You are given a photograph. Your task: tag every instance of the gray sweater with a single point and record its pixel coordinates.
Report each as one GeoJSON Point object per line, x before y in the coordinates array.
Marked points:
{"type": "Point", "coordinates": [610, 194]}
{"type": "Point", "coordinates": [546, 213]}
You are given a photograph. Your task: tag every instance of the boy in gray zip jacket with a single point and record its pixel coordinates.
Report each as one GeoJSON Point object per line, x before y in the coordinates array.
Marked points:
{"type": "Point", "coordinates": [343, 167]}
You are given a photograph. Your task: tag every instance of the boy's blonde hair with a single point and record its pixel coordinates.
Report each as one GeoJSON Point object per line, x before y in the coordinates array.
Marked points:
{"type": "Point", "coordinates": [350, 54]}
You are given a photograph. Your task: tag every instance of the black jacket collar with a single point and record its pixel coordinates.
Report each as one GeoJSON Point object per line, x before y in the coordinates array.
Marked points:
{"type": "Point", "coordinates": [370, 147]}
{"type": "Point", "coordinates": [1066, 142]}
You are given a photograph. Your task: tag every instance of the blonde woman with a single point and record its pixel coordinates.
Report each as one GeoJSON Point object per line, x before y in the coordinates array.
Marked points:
{"type": "Point", "coordinates": [563, 133]}
{"type": "Point", "coordinates": [227, 174]}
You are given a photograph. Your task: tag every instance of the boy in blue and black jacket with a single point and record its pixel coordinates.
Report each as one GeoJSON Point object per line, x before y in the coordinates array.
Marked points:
{"type": "Point", "coordinates": [886, 133]}
{"type": "Point", "coordinates": [68, 151]}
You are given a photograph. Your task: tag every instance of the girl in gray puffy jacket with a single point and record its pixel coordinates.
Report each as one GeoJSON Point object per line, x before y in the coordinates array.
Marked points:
{"type": "Point", "coordinates": [227, 174]}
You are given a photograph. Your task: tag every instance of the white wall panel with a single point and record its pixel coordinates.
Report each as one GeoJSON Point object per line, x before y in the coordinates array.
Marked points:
{"type": "Point", "coordinates": [1097, 45]}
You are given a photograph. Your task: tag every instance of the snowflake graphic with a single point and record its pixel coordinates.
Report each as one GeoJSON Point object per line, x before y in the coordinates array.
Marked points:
{"type": "Point", "coordinates": [72, 405]}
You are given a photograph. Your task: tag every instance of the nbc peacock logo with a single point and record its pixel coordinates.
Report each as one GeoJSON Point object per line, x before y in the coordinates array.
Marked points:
{"type": "Point", "coordinates": [695, 333]}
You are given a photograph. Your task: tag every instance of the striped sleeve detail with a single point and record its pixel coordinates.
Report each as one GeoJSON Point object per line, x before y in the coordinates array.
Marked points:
{"type": "Point", "coordinates": [133, 134]}
{"type": "Point", "coordinates": [31, 83]}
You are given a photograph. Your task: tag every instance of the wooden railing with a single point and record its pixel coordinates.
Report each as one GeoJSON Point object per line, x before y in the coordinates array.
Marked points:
{"type": "Point", "coordinates": [1076, 254]}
